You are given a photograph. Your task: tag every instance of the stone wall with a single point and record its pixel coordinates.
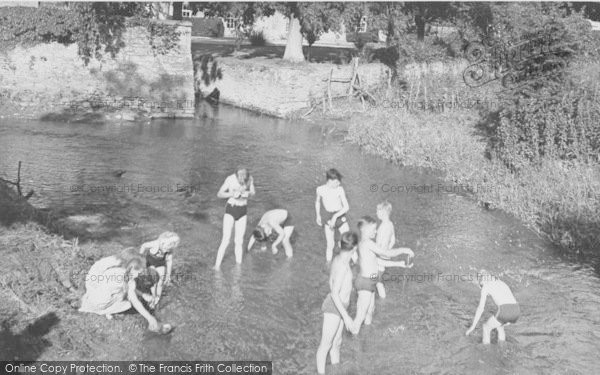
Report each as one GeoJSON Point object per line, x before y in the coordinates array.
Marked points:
{"type": "Point", "coordinates": [281, 89]}
{"type": "Point", "coordinates": [51, 78]}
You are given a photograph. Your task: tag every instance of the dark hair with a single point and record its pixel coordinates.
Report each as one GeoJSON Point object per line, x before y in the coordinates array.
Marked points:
{"type": "Point", "coordinates": [333, 174]}
{"type": "Point", "coordinates": [248, 176]}
{"type": "Point", "coordinates": [259, 235]}
{"type": "Point", "coordinates": [348, 241]}
{"type": "Point", "coordinates": [365, 220]}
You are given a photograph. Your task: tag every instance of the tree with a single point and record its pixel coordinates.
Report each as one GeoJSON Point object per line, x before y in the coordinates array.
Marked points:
{"type": "Point", "coordinates": [426, 12]}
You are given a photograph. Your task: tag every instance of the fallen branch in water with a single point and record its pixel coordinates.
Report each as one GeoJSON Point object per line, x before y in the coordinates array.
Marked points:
{"type": "Point", "coordinates": [18, 184]}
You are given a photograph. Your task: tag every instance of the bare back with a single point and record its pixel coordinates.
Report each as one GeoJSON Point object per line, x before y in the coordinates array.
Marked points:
{"type": "Point", "coordinates": [341, 275]}
{"type": "Point", "coordinates": [499, 291]}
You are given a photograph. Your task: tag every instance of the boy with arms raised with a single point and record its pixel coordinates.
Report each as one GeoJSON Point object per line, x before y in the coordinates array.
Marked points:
{"type": "Point", "coordinates": [368, 252]}
{"type": "Point", "coordinates": [333, 197]}
{"type": "Point", "coordinates": [386, 238]}
{"type": "Point", "coordinates": [508, 308]}
{"type": "Point", "coordinates": [334, 308]}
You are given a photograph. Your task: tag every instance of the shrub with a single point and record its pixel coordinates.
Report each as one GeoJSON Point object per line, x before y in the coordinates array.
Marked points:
{"type": "Point", "coordinates": [211, 27]}
{"type": "Point", "coordinates": [257, 38]}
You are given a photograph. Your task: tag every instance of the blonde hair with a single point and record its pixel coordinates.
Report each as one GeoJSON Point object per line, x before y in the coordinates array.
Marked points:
{"type": "Point", "coordinates": [167, 241]}
{"type": "Point", "coordinates": [385, 206]}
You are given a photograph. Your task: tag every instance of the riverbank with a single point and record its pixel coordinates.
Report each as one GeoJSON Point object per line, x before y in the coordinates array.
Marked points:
{"type": "Point", "coordinates": [558, 199]}
{"type": "Point", "coordinates": [258, 81]}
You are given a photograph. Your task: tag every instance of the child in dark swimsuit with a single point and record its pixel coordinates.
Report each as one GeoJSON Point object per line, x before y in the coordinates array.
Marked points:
{"type": "Point", "coordinates": [159, 262]}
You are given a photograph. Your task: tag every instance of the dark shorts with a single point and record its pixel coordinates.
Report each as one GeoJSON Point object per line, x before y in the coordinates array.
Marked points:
{"type": "Point", "coordinates": [155, 262]}
{"type": "Point", "coordinates": [328, 307]}
{"type": "Point", "coordinates": [237, 212]}
{"type": "Point", "coordinates": [365, 283]}
{"type": "Point", "coordinates": [147, 280]}
{"type": "Point", "coordinates": [508, 313]}
{"type": "Point", "coordinates": [326, 216]}
{"type": "Point", "coordinates": [288, 221]}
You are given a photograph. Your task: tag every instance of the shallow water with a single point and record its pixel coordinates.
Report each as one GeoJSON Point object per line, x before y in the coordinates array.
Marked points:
{"type": "Point", "coordinates": [269, 308]}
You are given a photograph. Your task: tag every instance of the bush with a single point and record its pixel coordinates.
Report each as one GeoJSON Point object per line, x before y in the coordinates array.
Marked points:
{"type": "Point", "coordinates": [257, 38]}
{"type": "Point", "coordinates": [25, 25]}
{"type": "Point", "coordinates": [210, 27]}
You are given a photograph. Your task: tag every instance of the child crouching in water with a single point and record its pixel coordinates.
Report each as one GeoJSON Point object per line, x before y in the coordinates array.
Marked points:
{"type": "Point", "coordinates": [159, 261]}
{"type": "Point", "coordinates": [335, 314]}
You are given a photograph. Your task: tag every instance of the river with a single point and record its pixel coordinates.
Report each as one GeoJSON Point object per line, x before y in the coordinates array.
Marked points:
{"type": "Point", "coordinates": [269, 308]}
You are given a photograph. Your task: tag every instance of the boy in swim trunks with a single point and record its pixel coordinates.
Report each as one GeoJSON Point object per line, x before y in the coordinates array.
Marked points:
{"type": "Point", "coordinates": [365, 283]}
{"type": "Point", "coordinates": [335, 306]}
{"type": "Point", "coordinates": [508, 308]}
{"type": "Point", "coordinates": [278, 221]}
{"type": "Point", "coordinates": [386, 238]}
{"type": "Point", "coordinates": [333, 197]}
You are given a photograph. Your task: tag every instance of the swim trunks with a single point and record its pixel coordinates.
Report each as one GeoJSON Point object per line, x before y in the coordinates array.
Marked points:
{"type": "Point", "coordinates": [508, 313]}
{"type": "Point", "coordinates": [237, 212]}
{"type": "Point", "coordinates": [288, 221]}
{"type": "Point", "coordinates": [338, 223]}
{"type": "Point", "coordinates": [365, 283]}
{"type": "Point", "coordinates": [328, 307]}
{"type": "Point", "coordinates": [155, 261]}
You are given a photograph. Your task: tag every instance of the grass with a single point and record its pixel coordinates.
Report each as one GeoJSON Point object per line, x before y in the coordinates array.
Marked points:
{"type": "Point", "coordinates": [42, 281]}
{"type": "Point", "coordinates": [559, 199]}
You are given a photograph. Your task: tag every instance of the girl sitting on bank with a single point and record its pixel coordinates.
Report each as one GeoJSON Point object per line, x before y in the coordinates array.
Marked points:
{"type": "Point", "coordinates": [111, 288]}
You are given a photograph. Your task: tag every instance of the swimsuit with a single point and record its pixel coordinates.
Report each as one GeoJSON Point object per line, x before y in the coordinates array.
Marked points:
{"type": "Point", "coordinates": [237, 212]}
{"type": "Point", "coordinates": [338, 223]}
{"type": "Point", "coordinates": [365, 283]}
{"type": "Point", "coordinates": [508, 313]}
{"type": "Point", "coordinates": [154, 261]}
{"type": "Point", "coordinates": [328, 307]}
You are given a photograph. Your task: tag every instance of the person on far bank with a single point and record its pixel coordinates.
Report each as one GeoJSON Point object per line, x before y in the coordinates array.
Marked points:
{"type": "Point", "coordinates": [335, 204]}
{"type": "Point", "coordinates": [278, 221]}
{"type": "Point", "coordinates": [237, 188]}
{"type": "Point", "coordinates": [508, 308]}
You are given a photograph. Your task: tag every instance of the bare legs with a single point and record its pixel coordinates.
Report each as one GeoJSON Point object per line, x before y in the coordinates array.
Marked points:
{"type": "Point", "coordinates": [287, 246]}
{"type": "Point", "coordinates": [488, 326]}
{"type": "Point", "coordinates": [331, 341]}
{"type": "Point", "coordinates": [240, 229]}
{"type": "Point", "coordinates": [365, 306]}
{"type": "Point", "coordinates": [330, 238]}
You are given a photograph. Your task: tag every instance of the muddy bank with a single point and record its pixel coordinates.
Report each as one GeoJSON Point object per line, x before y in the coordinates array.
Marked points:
{"type": "Point", "coordinates": [282, 89]}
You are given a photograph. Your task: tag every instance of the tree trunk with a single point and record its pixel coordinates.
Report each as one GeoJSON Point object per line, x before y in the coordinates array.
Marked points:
{"type": "Point", "coordinates": [178, 11]}
{"type": "Point", "coordinates": [420, 23]}
{"type": "Point", "coordinates": [293, 48]}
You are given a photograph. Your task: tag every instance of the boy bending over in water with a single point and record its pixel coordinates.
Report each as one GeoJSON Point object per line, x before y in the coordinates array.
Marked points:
{"type": "Point", "coordinates": [334, 200]}
{"type": "Point", "coordinates": [368, 251]}
{"type": "Point", "coordinates": [159, 260]}
{"type": "Point", "coordinates": [386, 238]}
{"type": "Point", "coordinates": [334, 307]}
{"type": "Point", "coordinates": [508, 308]}
{"type": "Point", "coordinates": [280, 221]}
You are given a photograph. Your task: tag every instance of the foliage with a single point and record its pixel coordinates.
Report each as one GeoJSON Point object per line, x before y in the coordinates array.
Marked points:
{"type": "Point", "coordinates": [206, 70]}
{"type": "Point", "coordinates": [545, 113]}
{"type": "Point", "coordinates": [211, 27]}
{"type": "Point", "coordinates": [96, 27]}
{"type": "Point", "coordinates": [257, 38]}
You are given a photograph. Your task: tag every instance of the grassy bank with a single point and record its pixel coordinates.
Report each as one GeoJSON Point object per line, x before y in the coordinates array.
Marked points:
{"type": "Point", "coordinates": [42, 280]}
{"type": "Point", "coordinates": [560, 199]}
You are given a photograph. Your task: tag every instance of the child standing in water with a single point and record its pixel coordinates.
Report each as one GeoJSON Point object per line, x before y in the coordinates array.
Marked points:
{"type": "Point", "coordinates": [278, 221]}
{"type": "Point", "coordinates": [333, 197]}
{"type": "Point", "coordinates": [335, 306]}
{"type": "Point", "coordinates": [386, 238]}
{"type": "Point", "coordinates": [508, 308]}
{"type": "Point", "coordinates": [368, 252]}
{"type": "Point", "coordinates": [237, 188]}
{"type": "Point", "coordinates": [159, 260]}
